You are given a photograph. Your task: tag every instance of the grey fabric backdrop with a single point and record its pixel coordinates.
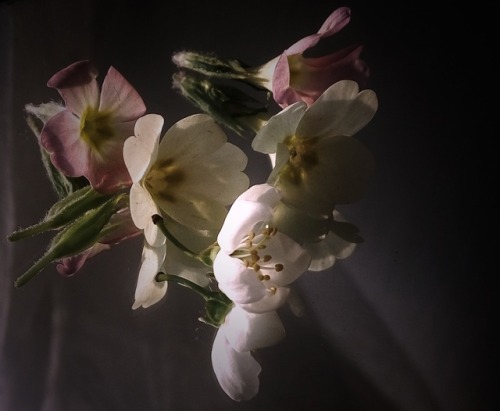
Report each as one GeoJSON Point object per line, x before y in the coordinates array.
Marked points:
{"type": "Point", "coordinates": [404, 324]}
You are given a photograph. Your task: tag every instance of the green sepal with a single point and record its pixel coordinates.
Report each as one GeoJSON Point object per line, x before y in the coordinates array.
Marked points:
{"type": "Point", "coordinates": [63, 212]}
{"type": "Point", "coordinates": [216, 311]}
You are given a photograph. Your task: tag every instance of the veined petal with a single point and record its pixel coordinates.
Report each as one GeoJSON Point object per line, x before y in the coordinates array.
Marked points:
{"type": "Point", "coordinates": [107, 171]}
{"type": "Point", "coordinates": [148, 290]}
{"type": "Point", "coordinates": [246, 331]}
{"type": "Point", "coordinates": [194, 211]}
{"type": "Point", "coordinates": [237, 372]}
{"type": "Point", "coordinates": [340, 110]}
{"type": "Point", "coordinates": [278, 127]}
{"type": "Point", "coordinates": [77, 85]}
{"type": "Point", "coordinates": [119, 97]}
{"type": "Point", "coordinates": [142, 208]}
{"type": "Point", "coordinates": [139, 151]}
{"type": "Point", "coordinates": [241, 284]}
{"type": "Point", "coordinates": [194, 137]}
{"type": "Point", "coordinates": [61, 138]}
{"type": "Point", "coordinates": [343, 168]}
{"type": "Point", "coordinates": [333, 24]}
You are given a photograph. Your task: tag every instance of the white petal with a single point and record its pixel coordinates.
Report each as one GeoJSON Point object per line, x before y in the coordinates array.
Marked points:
{"type": "Point", "coordinates": [294, 258]}
{"type": "Point", "coordinates": [340, 110]}
{"type": "Point", "coordinates": [253, 206]}
{"type": "Point", "coordinates": [139, 151]}
{"type": "Point", "coordinates": [237, 372]}
{"type": "Point", "coordinates": [271, 301]}
{"type": "Point", "coordinates": [142, 208]}
{"type": "Point", "coordinates": [246, 331]}
{"type": "Point", "coordinates": [278, 127]}
{"type": "Point", "coordinates": [193, 137]}
{"type": "Point", "coordinates": [149, 291]}
{"type": "Point", "coordinates": [239, 283]}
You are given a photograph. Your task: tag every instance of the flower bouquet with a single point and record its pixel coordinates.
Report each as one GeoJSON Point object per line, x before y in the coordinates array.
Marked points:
{"type": "Point", "coordinates": [119, 174]}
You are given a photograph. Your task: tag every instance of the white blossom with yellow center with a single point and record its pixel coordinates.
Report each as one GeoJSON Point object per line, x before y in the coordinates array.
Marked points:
{"type": "Point", "coordinates": [318, 163]}
{"type": "Point", "coordinates": [256, 262]}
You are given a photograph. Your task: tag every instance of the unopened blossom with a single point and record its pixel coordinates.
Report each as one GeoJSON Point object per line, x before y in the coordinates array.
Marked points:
{"type": "Point", "coordinates": [119, 228]}
{"type": "Point", "coordinates": [240, 334]}
{"type": "Point", "coordinates": [256, 263]}
{"type": "Point", "coordinates": [191, 175]}
{"type": "Point", "coordinates": [86, 138]}
{"type": "Point", "coordinates": [292, 77]}
{"type": "Point", "coordinates": [318, 163]}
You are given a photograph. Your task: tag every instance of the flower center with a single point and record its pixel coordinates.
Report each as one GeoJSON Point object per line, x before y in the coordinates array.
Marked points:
{"type": "Point", "coordinates": [164, 178]}
{"type": "Point", "coordinates": [302, 157]}
{"type": "Point", "coordinates": [251, 253]}
{"type": "Point", "coordinates": [95, 128]}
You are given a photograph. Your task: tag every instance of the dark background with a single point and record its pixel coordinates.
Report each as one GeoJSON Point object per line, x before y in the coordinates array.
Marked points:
{"type": "Point", "coordinates": [406, 323]}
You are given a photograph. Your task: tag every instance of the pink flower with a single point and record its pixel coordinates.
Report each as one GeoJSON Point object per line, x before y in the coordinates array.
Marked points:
{"type": "Point", "coordinates": [86, 139]}
{"type": "Point", "coordinates": [291, 77]}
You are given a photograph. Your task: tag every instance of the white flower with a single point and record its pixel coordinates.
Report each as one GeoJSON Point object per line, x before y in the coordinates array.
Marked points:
{"type": "Point", "coordinates": [241, 333]}
{"type": "Point", "coordinates": [318, 162]}
{"type": "Point", "coordinates": [256, 263]}
{"type": "Point", "coordinates": [191, 175]}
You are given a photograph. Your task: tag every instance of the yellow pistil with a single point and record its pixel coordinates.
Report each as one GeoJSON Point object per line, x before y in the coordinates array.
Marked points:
{"type": "Point", "coordinates": [164, 178]}
{"type": "Point", "coordinates": [302, 157]}
{"type": "Point", "coordinates": [95, 128]}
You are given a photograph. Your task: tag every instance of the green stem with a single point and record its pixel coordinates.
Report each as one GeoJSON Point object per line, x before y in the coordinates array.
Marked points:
{"type": "Point", "coordinates": [205, 293]}
{"type": "Point", "coordinates": [158, 220]}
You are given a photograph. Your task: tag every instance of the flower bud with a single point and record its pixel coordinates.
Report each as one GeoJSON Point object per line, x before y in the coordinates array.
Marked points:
{"type": "Point", "coordinates": [76, 237]}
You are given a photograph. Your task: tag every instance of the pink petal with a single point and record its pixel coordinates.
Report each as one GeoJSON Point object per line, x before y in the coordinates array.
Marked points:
{"type": "Point", "coordinates": [61, 138]}
{"type": "Point", "coordinates": [77, 85]}
{"type": "Point", "coordinates": [120, 97]}
{"type": "Point", "coordinates": [71, 265]}
{"type": "Point", "coordinates": [333, 24]}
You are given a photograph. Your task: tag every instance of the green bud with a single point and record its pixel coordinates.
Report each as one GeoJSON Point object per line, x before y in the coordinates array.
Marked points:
{"type": "Point", "coordinates": [76, 237]}
{"type": "Point", "coordinates": [210, 65]}
{"type": "Point", "coordinates": [64, 211]}
{"type": "Point", "coordinates": [229, 105]}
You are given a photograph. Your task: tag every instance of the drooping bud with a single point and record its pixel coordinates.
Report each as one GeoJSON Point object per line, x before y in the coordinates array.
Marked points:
{"type": "Point", "coordinates": [76, 237]}
{"type": "Point", "coordinates": [229, 105]}
{"type": "Point", "coordinates": [63, 212]}
{"type": "Point", "coordinates": [210, 65]}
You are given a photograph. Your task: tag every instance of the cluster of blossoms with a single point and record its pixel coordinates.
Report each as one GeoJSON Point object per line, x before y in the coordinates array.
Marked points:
{"type": "Point", "coordinates": [119, 175]}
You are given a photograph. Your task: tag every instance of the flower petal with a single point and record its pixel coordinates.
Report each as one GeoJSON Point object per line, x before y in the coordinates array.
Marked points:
{"type": "Point", "coordinates": [148, 290]}
{"type": "Point", "coordinates": [77, 85]}
{"type": "Point", "coordinates": [251, 207]}
{"type": "Point", "coordinates": [142, 208]}
{"type": "Point", "coordinates": [270, 302]}
{"type": "Point", "coordinates": [333, 24]}
{"type": "Point", "coordinates": [340, 110]}
{"type": "Point", "coordinates": [139, 151]}
{"type": "Point", "coordinates": [119, 97]}
{"type": "Point", "coordinates": [237, 372]}
{"type": "Point", "coordinates": [241, 284]}
{"type": "Point", "coordinates": [246, 331]}
{"type": "Point", "coordinates": [278, 127]}
{"type": "Point", "coordinates": [61, 138]}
